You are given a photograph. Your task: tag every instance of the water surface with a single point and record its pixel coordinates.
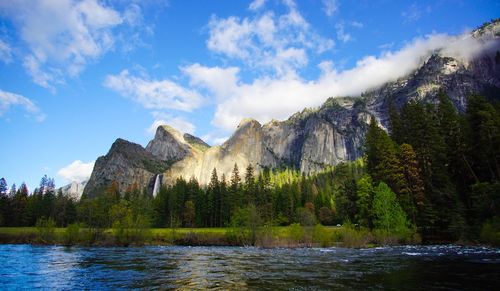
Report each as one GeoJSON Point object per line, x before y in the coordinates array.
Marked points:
{"type": "Point", "coordinates": [406, 267]}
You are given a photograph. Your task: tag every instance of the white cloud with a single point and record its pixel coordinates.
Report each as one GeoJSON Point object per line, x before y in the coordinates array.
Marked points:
{"type": "Point", "coordinates": [8, 100]}
{"type": "Point", "coordinates": [330, 7]}
{"type": "Point", "coordinates": [154, 94]}
{"type": "Point", "coordinates": [62, 37]}
{"type": "Point", "coordinates": [279, 96]}
{"type": "Point", "coordinates": [178, 123]}
{"type": "Point", "coordinates": [279, 43]}
{"type": "Point", "coordinates": [341, 34]}
{"type": "Point", "coordinates": [77, 171]}
{"type": "Point", "coordinates": [5, 52]}
{"type": "Point", "coordinates": [256, 4]}
{"type": "Point", "coordinates": [221, 81]}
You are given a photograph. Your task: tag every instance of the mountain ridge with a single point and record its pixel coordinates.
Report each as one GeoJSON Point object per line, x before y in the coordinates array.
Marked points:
{"type": "Point", "coordinates": [308, 140]}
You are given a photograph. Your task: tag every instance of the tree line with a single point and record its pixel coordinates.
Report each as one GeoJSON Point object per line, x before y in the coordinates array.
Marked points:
{"type": "Point", "coordinates": [436, 173]}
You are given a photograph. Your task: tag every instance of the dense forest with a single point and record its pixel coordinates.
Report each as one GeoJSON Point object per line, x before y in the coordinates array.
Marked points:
{"type": "Point", "coordinates": [436, 174]}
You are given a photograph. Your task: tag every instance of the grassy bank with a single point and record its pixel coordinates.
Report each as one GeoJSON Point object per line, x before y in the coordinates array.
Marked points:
{"type": "Point", "coordinates": [276, 236]}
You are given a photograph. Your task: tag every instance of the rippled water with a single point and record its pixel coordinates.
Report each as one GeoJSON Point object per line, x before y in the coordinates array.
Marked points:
{"type": "Point", "coordinates": [407, 267]}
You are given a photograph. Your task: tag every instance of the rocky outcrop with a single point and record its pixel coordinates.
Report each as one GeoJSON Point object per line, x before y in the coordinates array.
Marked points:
{"type": "Point", "coordinates": [73, 190]}
{"type": "Point", "coordinates": [126, 164]}
{"type": "Point", "coordinates": [168, 144]}
{"type": "Point", "coordinates": [309, 140]}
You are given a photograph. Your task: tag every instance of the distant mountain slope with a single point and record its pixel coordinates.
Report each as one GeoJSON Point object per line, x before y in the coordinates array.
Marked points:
{"type": "Point", "coordinates": [309, 140]}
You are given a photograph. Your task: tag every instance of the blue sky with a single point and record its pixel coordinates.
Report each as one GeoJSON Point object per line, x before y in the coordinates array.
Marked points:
{"type": "Point", "coordinates": [76, 75]}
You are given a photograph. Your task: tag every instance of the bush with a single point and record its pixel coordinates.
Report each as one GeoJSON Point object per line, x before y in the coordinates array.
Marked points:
{"type": "Point", "coordinates": [246, 221]}
{"type": "Point", "coordinates": [321, 236]}
{"type": "Point", "coordinates": [45, 229]}
{"type": "Point", "coordinates": [353, 238]}
{"type": "Point", "coordinates": [72, 234]}
{"type": "Point", "coordinates": [490, 232]}
{"type": "Point", "coordinates": [295, 232]}
{"type": "Point", "coordinates": [306, 217]}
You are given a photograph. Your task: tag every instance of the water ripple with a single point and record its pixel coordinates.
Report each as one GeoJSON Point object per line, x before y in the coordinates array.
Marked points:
{"type": "Point", "coordinates": [242, 268]}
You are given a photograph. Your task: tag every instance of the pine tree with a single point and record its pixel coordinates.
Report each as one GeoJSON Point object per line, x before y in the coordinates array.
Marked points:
{"type": "Point", "coordinates": [382, 159]}
{"type": "Point", "coordinates": [19, 204]}
{"type": "Point", "coordinates": [442, 206]}
{"type": "Point", "coordinates": [4, 203]}
{"type": "Point", "coordinates": [453, 134]}
{"type": "Point", "coordinates": [484, 138]}
{"type": "Point", "coordinates": [213, 195]}
{"type": "Point", "coordinates": [249, 186]}
{"type": "Point", "coordinates": [364, 200]}
{"type": "Point", "coordinates": [224, 216]}
{"type": "Point", "coordinates": [411, 187]}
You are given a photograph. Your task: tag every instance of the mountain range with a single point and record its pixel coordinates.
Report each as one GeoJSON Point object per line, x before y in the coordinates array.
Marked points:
{"type": "Point", "coordinates": [309, 140]}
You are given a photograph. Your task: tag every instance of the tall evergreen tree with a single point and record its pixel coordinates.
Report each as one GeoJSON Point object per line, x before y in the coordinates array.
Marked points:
{"type": "Point", "coordinates": [249, 186]}
{"type": "Point", "coordinates": [411, 186]}
{"type": "Point", "coordinates": [364, 201]}
{"type": "Point", "coordinates": [235, 194]}
{"type": "Point", "coordinates": [382, 159]}
{"type": "Point", "coordinates": [213, 197]}
{"type": "Point", "coordinates": [442, 207]}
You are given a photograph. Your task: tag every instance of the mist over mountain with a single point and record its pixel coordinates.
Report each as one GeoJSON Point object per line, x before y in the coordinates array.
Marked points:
{"type": "Point", "coordinates": [314, 138]}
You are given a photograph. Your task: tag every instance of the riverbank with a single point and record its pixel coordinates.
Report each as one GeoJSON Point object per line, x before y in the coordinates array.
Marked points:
{"type": "Point", "coordinates": [276, 236]}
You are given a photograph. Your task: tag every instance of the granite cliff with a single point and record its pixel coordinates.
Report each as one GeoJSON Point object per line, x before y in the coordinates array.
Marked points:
{"type": "Point", "coordinates": [309, 140]}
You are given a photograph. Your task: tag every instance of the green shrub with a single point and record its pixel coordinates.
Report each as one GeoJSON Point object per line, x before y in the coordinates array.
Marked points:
{"type": "Point", "coordinates": [295, 232]}
{"type": "Point", "coordinates": [45, 229]}
{"type": "Point", "coordinates": [351, 237]}
{"type": "Point", "coordinates": [321, 236]}
{"type": "Point", "coordinates": [490, 232]}
{"type": "Point", "coordinates": [72, 234]}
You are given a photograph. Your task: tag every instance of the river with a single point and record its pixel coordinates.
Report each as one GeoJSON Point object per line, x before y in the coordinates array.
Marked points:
{"type": "Point", "coordinates": [397, 268]}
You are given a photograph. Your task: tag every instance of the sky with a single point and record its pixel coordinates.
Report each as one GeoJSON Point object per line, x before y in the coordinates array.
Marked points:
{"type": "Point", "coordinates": [77, 75]}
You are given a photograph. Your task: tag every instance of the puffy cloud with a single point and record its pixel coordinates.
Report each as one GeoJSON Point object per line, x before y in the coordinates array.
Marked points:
{"type": "Point", "coordinates": [256, 4]}
{"type": "Point", "coordinates": [178, 123]}
{"type": "Point", "coordinates": [77, 171]}
{"type": "Point", "coordinates": [63, 36]}
{"type": "Point", "coordinates": [330, 7]}
{"type": "Point", "coordinates": [223, 82]}
{"type": "Point", "coordinates": [279, 43]}
{"type": "Point", "coordinates": [153, 94]}
{"type": "Point", "coordinates": [8, 100]}
{"type": "Point", "coordinates": [279, 96]}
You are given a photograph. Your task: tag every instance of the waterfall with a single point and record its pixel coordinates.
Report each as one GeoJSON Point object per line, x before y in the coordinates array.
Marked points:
{"type": "Point", "coordinates": [156, 187]}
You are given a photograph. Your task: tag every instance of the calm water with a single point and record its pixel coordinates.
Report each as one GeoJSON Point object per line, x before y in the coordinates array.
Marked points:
{"type": "Point", "coordinates": [427, 267]}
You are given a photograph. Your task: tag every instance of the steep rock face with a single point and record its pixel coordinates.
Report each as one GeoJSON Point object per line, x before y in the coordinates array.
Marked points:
{"type": "Point", "coordinates": [168, 144]}
{"type": "Point", "coordinates": [127, 164]}
{"type": "Point", "coordinates": [244, 147]}
{"type": "Point", "coordinates": [73, 190]}
{"type": "Point", "coordinates": [311, 139]}
{"type": "Point", "coordinates": [308, 141]}
{"type": "Point", "coordinates": [457, 77]}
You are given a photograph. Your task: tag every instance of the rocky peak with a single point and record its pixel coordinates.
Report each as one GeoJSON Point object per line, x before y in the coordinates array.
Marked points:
{"type": "Point", "coordinates": [309, 140]}
{"type": "Point", "coordinates": [127, 164]}
{"type": "Point", "coordinates": [488, 30]}
{"type": "Point", "coordinates": [168, 144]}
